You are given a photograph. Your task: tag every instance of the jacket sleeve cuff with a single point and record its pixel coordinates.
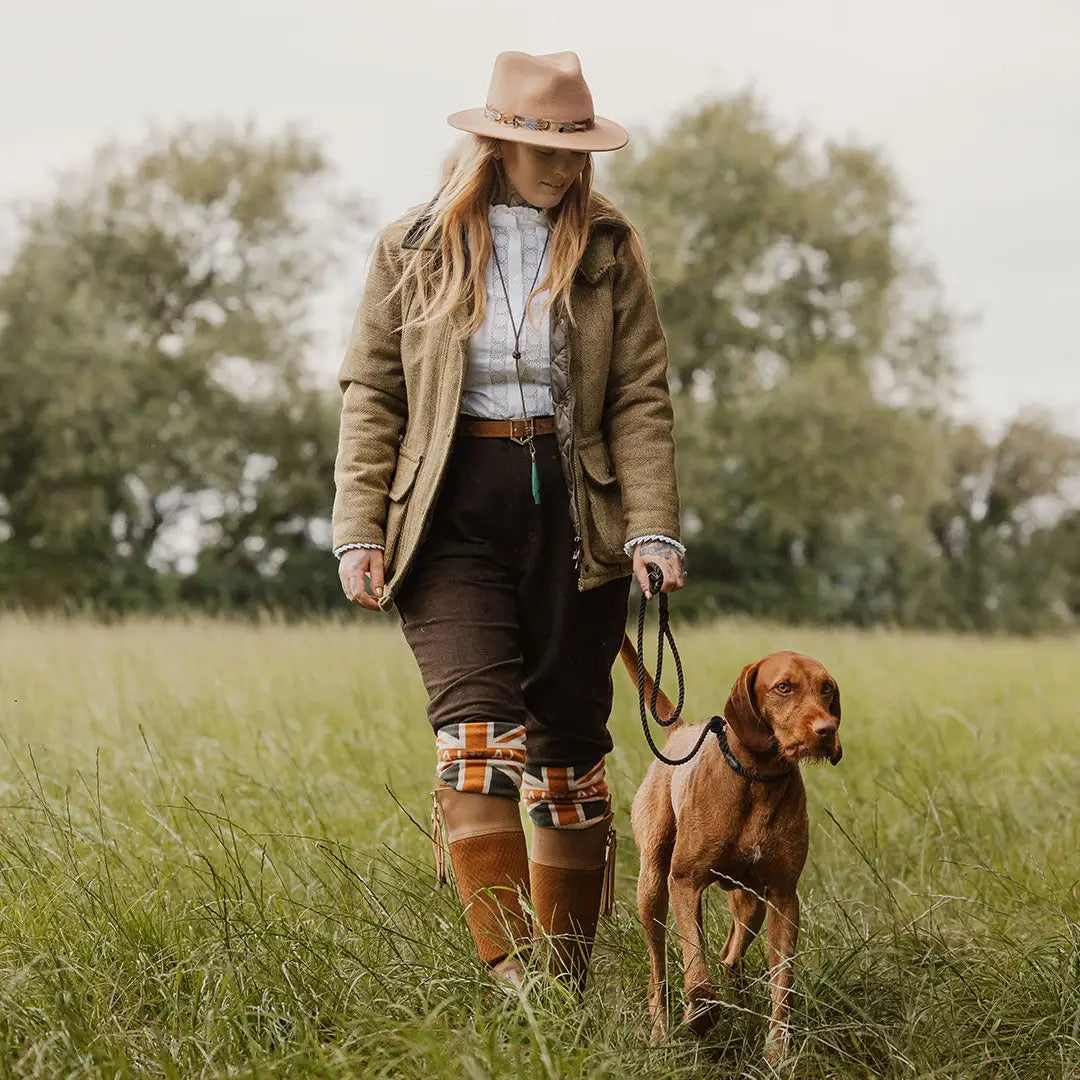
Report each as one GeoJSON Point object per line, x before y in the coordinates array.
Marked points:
{"type": "Point", "coordinates": [342, 548]}
{"type": "Point", "coordinates": [629, 546]}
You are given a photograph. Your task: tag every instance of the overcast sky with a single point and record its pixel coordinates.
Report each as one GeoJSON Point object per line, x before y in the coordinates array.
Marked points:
{"type": "Point", "coordinates": [976, 103]}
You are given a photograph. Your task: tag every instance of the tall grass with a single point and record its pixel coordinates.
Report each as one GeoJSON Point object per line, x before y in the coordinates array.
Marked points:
{"type": "Point", "coordinates": [204, 869]}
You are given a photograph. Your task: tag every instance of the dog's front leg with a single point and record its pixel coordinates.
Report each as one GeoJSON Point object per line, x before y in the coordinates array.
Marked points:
{"type": "Point", "coordinates": [783, 929]}
{"type": "Point", "coordinates": [747, 915]}
{"type": "Point", "coordinates": [687, 884]}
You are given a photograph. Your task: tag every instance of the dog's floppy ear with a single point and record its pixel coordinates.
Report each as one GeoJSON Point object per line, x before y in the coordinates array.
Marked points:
{"type": "Point", "coordinates": [741, 712]}
{"type": "Point", "coordinates": [834, 710]}
{"type": "Point", "coordinates": [834, 703]}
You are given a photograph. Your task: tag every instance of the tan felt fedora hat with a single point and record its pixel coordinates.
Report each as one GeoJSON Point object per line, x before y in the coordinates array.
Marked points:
{"type": "Point", "coordinates": [542, 100]}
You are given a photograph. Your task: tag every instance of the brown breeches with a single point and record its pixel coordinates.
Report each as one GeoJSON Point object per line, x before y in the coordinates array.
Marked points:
{"type": "Point", "coordinates": [492, 612]}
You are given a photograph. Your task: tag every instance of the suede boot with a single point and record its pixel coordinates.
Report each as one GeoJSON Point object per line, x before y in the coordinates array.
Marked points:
{"type": "Point", "coordinates": [567, 878]}
{"type": "Point", "coordinates": [491, 867]}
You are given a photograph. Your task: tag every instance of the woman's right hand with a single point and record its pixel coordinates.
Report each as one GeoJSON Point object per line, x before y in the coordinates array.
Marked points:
{"type": "Point", "coordinates": [354, 566]}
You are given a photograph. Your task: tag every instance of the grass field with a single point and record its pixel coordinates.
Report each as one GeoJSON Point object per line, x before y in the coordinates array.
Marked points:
{"type": "Point", "coordinates": [202, 872]}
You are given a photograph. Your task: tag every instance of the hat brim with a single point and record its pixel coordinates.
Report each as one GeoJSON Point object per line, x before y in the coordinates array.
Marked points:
{"type": "Point", "coordinates": [605, 134]}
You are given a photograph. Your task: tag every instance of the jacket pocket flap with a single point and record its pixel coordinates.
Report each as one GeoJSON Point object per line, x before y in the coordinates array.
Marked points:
{"type": "Point", "coordinates": [596, 463]}
{"type": "Point", "coordinates": [405, 473]}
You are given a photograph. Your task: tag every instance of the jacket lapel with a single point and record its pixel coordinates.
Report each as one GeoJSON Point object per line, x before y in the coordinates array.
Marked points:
{"type": "Point", "coordinates": [599, 253]}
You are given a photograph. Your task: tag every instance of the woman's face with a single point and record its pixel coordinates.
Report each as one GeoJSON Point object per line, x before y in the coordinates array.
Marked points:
{"type": "Point", "coordinates": [540, 174]}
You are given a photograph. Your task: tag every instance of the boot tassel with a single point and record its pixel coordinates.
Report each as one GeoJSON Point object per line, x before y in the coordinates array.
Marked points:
{"type": "Point", "coordinates": [607, 893]}
{"type": "Point", "coordinates": [437, 842]}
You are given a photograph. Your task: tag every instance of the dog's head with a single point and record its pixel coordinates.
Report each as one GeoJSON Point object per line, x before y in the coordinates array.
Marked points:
{"type": "Point", "coordinates": [786, 702]}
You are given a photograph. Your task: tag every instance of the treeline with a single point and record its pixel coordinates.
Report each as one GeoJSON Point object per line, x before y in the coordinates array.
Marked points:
{"type": "Point", "coordinates": [163, 446]}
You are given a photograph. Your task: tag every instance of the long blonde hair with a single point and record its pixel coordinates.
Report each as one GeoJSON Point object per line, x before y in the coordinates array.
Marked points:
{"type": "Point", "coordinates": [452, 274]}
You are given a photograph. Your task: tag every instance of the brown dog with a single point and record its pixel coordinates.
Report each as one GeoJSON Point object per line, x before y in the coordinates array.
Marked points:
{"type": "Point", "coordinates": [736, 818]}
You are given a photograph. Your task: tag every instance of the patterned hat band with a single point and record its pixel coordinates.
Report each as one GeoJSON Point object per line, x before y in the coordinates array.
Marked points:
{"type": "Point", "coordinates": [535, 124]}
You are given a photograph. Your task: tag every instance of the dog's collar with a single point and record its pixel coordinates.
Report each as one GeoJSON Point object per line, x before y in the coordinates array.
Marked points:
{"type": "Point", "coordinates": [719, 726]}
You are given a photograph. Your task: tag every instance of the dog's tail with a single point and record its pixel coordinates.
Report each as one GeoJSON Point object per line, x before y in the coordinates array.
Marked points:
{"type": "Point", "coordinates": [664, 706]}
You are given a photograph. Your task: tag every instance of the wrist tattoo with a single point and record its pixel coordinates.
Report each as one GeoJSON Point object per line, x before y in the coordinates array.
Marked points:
{"type": "Point", "coordinates": [656, 548]}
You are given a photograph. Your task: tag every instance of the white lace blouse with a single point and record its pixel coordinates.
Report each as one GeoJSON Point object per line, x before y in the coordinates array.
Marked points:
{"type": "Point", "coordinates": [491, 391]}
{"type": "Point", "coordinates": [491, 388]}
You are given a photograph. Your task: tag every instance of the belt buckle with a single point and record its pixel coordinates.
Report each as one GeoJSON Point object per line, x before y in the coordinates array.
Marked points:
{"type": "Point", "coordinates": [523, 440]}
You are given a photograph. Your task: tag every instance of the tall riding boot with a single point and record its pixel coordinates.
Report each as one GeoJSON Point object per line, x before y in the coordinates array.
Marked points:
{"type": "Point", "coordinates": [490, 860]}
{"type": "Point", "coordinates": [566, 873]}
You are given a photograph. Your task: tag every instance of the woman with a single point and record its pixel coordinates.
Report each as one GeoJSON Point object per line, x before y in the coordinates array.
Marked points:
{"type": "Point", "coordinates": [500, 476]}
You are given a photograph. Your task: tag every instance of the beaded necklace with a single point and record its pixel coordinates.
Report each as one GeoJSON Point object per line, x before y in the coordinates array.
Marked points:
{"type": "Point", "coordinates": [535, 475]}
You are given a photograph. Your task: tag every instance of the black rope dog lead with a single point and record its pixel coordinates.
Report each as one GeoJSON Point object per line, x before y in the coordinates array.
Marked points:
{"type": "Point", "coordinates": [716, 724]}
{"type": "Point", "coordinates": [656, 583]}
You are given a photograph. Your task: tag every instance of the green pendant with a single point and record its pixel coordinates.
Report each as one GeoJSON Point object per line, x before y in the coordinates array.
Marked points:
{"type": "Point", "coordinates": [535, 483]}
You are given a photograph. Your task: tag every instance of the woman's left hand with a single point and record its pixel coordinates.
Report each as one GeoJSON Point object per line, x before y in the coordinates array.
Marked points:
{"type": "Point", "coordinates": [662, 554]}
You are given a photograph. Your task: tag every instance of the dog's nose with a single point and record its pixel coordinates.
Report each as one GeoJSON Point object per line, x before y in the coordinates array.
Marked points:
{"type": "Point", "coordinates": [825, 728]}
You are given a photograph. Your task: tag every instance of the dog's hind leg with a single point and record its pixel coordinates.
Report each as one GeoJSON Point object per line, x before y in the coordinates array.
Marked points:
{"type": "Point", "coordinates": [747, 915]}
{"type": "Point", "coordinates": [652, 899]}
{"type": "Point", "coordinates": [687, 883]}
{"type": "Point", "coordinates": [653, 820]}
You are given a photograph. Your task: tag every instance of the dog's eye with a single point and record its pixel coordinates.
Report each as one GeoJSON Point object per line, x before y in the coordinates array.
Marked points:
{"type": "Point", "coordinates": [828, 689]}
{"type": "Point", "coordinates": [783, 687]}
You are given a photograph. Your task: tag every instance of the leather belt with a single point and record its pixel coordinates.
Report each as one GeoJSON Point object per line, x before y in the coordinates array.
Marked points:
{"type": "Point", "coordinates": [518, 428]}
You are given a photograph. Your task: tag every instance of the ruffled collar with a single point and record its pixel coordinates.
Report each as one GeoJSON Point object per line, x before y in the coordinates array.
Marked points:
{"type": "Point", "coordinates": [519, 216]}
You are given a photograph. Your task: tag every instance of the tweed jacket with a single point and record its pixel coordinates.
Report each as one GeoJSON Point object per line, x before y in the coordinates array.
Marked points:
{"type": "Point", "coordinates": [401, 392]}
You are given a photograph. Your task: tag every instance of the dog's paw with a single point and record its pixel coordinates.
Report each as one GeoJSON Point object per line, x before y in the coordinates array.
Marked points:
{"type": "Point", "coordinates": [659, 1030]}
{"type": "Point", "coordinates": [777, 1044]}
{"type": "Point", "coordinates": [702, 1009]}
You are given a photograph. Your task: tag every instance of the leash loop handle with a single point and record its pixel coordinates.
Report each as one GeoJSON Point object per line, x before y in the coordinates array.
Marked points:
{"type": "Point", "coordinates": [656, 584]}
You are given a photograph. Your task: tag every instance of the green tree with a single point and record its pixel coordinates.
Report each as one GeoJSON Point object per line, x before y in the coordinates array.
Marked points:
{"type": "Point", "coordinates": [769, 253]}
{"type": "Point", "coordinates": [819, 499]}
{"type": "Point", "coordinates": [1001, 530]}
{"type": "Point", "coordinates": [1064, 552]}
{"type": "Point", "coordinates": [153, 324]}
{"type": "Point", "coordinates": [810, 355]}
